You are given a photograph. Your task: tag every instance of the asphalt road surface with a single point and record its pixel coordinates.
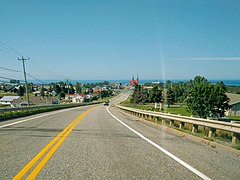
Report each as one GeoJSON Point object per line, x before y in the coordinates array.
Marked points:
{"type": "Point", "coordinates": [101, 142]}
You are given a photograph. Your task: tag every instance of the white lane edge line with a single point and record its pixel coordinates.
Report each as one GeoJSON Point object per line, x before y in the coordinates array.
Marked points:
{"type": "Point", "coordinates": [29, 119]}
{"type": "Point", "coordinates": [189, 167]}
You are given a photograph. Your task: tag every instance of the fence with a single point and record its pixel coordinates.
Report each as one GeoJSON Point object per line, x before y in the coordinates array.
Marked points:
{"type": "Point", "coordinates": [213, 125]}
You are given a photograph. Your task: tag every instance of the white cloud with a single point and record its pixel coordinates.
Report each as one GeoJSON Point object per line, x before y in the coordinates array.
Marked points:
{"type": "Point", "coordinates": [214, 58]}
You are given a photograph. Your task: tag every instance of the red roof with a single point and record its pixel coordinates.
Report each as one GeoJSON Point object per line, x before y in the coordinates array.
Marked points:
{"type": "Point", "coordinates": [132, 82]}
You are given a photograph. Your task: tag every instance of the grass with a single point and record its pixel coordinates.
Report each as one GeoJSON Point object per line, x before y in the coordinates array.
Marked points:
{"type": "Point", "coordinates": [234, 118]}
{"type": "Point", "coordinates": [27, 112]}
{"type": "Point", "coordinates": [177, 110]}
{"type": "Point", "coordinates": [236, 146]}
{"type": "Point", "coordinates": [173, 110]}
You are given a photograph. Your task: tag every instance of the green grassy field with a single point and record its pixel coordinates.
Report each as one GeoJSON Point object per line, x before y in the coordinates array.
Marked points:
{"type": "Point", "coordinates": [177, 110]}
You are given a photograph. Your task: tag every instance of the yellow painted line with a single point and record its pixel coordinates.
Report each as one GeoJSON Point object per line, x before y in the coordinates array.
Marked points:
{"type": "Point", "coordinates": [60, 138]}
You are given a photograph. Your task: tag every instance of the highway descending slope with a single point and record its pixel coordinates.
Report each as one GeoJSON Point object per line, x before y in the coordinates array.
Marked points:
{"type": "Point", "coordinates": [100, 142]}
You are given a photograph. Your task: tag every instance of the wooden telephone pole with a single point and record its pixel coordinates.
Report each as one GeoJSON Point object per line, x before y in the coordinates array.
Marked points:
{"type": "Point", "coordinates": [25, 78]}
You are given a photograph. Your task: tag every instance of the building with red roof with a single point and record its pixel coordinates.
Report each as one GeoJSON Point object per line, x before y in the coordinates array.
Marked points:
{"type": "Point", "coordinates": [134, 81]}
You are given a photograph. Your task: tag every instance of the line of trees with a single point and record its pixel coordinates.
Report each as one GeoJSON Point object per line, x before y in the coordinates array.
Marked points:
{"type": "Point", "coordinates": [202, 98]}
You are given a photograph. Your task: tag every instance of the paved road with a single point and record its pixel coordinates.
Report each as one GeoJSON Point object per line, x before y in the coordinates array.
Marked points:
{"type": "Point", "coordinates": [99, 146]}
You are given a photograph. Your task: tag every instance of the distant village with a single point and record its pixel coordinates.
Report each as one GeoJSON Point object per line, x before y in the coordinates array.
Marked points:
{"type": "Point", "coordinates": [13, 93]}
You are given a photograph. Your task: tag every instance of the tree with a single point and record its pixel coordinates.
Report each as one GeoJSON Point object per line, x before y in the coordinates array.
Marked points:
{"type": "Point", "coordinates": [197, 100]}
{"type": "Point", "coordinates": [155, 95]}
{"type": "Point", "coordinates": [221, 102]}
{"type": "Point", "coordinates": [57, 89]}
{"type": "Point", "coordinates": [20, 91]}
{"type": "Point", "coordinates": [136, 96]}
{"type": "Point", "coordinates": [170, 97]}
{"type": "Point", "coordinates": [207, 100]}
{"type": "Point", "coordinates": [42, 93]}
{"type": "Point", "coordinates": [71, 89]}
{"type": "Point", "coordinates": [5, 88]}
{"type": "Point", "coordinates": [61, 94]}
{"type": "Point", "coordinates": [78, 88]}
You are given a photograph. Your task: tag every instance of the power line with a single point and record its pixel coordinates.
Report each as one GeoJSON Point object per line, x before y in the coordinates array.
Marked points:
{"type": "Point", "coordinates": [42, 82]}
{"type": "Point", "coordinates": [8, 53]}
{"type": "Point", "coordinates": [15, 53]}
{"type": "Point", "coordinates": [8, 78]}
{"type": "Point", "coordinates": [5, 77]}
{"type": "Point", "coordinates": [13, 70]}
{"type": "Point", "coordinates": [43, 70]}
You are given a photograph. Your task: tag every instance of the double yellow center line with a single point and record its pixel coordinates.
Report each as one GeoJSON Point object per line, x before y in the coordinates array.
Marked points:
{"type": "Point", "coordinates": [54, 144]}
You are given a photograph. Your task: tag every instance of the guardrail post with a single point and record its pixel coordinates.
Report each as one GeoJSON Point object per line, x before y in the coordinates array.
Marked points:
{"type": "Point", "coordinates": [235, 138]}
{"type": "Point", "coordinates": [181, 125]}
{"type": "Point", "coordinates": [156, 119]}
{"type": "Point", "coordinates": [211, 132]}
{"type": "Point", "coordinates": [194, 128]}
{"type": "Point", "coordinates": [139, 114]}
{"type": "Point", "coordinates": [171, 122]}
{"type": "Point", "coordinates": [163, 121]}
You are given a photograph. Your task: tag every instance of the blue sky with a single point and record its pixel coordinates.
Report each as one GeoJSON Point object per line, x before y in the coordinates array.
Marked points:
{"type": "Point", "coordinates": [114, 39]}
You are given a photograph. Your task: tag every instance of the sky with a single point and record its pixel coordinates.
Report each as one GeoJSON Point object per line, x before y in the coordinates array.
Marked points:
{"type": "Point", "coordinates": [115, 39]}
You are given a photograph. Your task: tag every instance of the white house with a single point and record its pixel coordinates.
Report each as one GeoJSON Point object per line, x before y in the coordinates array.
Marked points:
{"type": "Point", "coordinates": [7, 100]}
{"type": "Point", "coordinates": [78, 99]}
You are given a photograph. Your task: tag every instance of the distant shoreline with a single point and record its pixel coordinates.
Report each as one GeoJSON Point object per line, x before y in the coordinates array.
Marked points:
{"type": "Point", "coordinates": [226, 82]}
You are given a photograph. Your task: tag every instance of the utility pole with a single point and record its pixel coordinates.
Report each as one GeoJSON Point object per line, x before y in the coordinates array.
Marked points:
{"type": "Point", "coordinates": [25, 78]}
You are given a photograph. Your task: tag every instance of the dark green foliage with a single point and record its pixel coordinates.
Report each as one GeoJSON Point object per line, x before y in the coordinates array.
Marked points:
{"type": "Point", "coordinates": [57, 89]}
{"type": "Point", "coordinates": [170, 96]}
{"type": "Point", "coordinates": [42, 93]}
{"type": "Point", "coordinates": [136, 94]}
{"type": "Point", "coordinates": [71, 89]}
{"type": "Point", "coordinates": [62, 94]}
{"type": "Point", "coordinates": [78, 88]}
{"type": "Point", "coordinates": [155, 95]}
{"type": "Point", "coordinates": [20, 91]}
{"type": "Point", "coordinates": [207, 100]}
{"type": "Point", "coordinates": [139, 95]}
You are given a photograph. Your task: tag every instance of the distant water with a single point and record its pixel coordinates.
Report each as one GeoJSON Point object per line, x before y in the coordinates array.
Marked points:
{"type": "Point", "coordinates": [226, 82]}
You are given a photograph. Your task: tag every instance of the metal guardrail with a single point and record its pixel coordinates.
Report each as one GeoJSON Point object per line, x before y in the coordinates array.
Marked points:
{"type": "Point", "coordinates": [195, 122]}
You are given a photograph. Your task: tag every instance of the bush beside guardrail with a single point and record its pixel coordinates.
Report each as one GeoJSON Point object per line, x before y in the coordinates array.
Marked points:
{"type": "Point", "coordinates": [9, 113]}
{"type": "Point", "coordinates": [213, 125]}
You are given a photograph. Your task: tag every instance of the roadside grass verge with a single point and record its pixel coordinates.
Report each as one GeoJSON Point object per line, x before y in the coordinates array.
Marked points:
{"type": "Point", "coordinates": [26, 112]}
{"type": "Point", "coordinates": [150, 107]}
{"type": "Point", "coordinates": [177, 110]}
{"type": "Point", "coordinates": [234, 118]}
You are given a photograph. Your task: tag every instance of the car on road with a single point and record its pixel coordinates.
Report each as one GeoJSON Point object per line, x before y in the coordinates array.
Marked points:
{"type": "Point", "coordinates": [106, 103]}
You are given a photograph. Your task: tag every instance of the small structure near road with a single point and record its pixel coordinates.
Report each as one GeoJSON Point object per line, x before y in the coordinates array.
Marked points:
{"type": "Point", "coordinates": [234, 103]}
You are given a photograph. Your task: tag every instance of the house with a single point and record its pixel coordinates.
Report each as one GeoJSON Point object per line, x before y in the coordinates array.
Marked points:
{"type": "Point", "coordinates": [34, 101]}
{"type": "Point", "coordinates": [234, 103]}
{"type": "Point", "coordinates": [76, 98]}
{"type": "Point", "coordinates": [7, 100]}
{"type": "Point", "coordinates": [79, 98]}
{"type": "Point", "coordinates": [70, 96]}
